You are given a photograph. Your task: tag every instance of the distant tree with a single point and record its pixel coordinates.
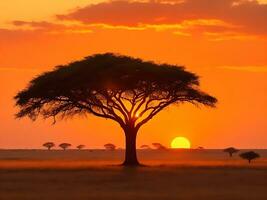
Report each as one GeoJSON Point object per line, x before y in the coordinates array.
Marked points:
{"type": "Point", "coordinates": [49, 145]}
{"type": "Point", "coordinates": [145, 146]}
{"type": "Point", "coordinates": [64, 146]}
{"type": "Point", "coordinates": [250, 155]}
{"type": "Point", "coordinates": [81, 146]}
{"type": "Point", "coordinates": [110, 146]}
{"type": "Point", "coordinates": [126, 90]}
{"type": "Point", "coordinates": [159, 146]}
{"type": "Point", "coordinates": [231, 151]}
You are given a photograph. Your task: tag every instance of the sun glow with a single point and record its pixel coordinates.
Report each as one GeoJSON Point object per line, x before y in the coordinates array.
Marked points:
{"type": "Point", "coordinates": [180, 143]}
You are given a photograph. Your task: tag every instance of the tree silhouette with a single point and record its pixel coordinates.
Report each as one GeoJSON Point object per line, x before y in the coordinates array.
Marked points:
{"type": "Point", "coordinates": [231, 151]}
{"type": "Point", "coordinates": [49, 145]}
{"type": "Point", "coordinates": [159, 146]}
{"type": "Point", "coordinates": [250, 155]}
{"type": "Point", "coordinates": [81, 146]}
{"type": "Point", "coordinates": [145, 146]}
{"type": "Point", "coordinates": [110, 146]}
{"type": "Point", "coordinates": [121, 88]}
{"type": "Point", "coordinates": [64, 146]}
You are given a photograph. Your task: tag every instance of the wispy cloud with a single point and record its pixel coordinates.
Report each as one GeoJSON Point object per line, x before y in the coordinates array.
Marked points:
{"type": "Point", "coordinates": [228, 35]}
{"type": "Point", "coordinates": [16, 69]}
{"type": "Point", "coordinates": [246, 68]}
{"type": "Point", "coordinates": [184, 28]}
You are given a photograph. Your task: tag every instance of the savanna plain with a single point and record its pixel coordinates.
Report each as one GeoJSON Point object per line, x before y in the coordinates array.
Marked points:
{"type": "Point", "coordinates": [96, 174]}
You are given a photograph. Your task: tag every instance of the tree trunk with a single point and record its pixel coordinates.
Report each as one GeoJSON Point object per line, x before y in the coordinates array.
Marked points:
{"type": "Point", "coordinates": [130, 144]}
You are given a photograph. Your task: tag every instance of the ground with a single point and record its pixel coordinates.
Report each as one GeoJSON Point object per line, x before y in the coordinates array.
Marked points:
{"type": "Point", "coordinates": [179, 175]}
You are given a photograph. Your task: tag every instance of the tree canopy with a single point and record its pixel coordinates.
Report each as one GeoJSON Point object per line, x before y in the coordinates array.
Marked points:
{"type": "Point", "coordinates": [104, 84]}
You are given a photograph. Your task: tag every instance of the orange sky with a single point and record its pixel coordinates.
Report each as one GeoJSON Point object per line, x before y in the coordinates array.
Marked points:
{"type": "Point", "coordinates": [224, 41]}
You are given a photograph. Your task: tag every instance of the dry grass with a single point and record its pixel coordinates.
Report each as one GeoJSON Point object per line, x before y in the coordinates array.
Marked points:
{"type": "Point", "coordinates": [27, 175]}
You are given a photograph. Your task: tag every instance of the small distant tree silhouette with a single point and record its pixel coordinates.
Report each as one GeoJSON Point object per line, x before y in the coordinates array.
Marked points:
{"type": "Point", "coordinates": [145, 146]}
{"type": "Point", "coordinates": [250, 155]}
{"type": "Point", "coordinates": [81, 146]}
{"type": "Point", "coordinates": [159, 146]}
{"type": "Point", "coordinates": [110, 146]}
{"type": "Point", "coordinates": [231, 151]}
{"type": "Point", "coordinates": [49, 145]}
{"type": "Point", "coordinates": [64, 146]}
{"type": "Point", "coordinates": [127, 90]}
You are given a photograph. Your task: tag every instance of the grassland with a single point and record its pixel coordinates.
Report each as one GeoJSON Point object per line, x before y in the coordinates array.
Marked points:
{"type": "Point", "coordinates": [179, 175]}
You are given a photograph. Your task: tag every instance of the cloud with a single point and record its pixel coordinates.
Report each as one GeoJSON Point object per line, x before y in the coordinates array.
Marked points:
{"type": "Point", "coordinates": [51, 27]}
{"type": "Point", "coordinates": [247, 16]}
{"type": "Point", "coordinates": [185, 28]}
{"type": "Point", "coordinates": [13, 69]}
{"type": "Point", "coordinates": [216, 20]}
{"type": "Point", "coordinates": [246, 68]}
{"type": "Point", "coordinates": [228, 35]}
{"type": "Point", "coordinates": [38, 24]}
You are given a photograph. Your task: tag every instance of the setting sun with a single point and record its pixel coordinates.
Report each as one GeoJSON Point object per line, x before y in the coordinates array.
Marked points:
{"type": "Point", "coordinates": [180, 143]}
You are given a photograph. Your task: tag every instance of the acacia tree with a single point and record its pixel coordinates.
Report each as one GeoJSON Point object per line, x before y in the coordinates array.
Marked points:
{"type": "Point", "coordinates": [49, 145]}
{"type": "Point", "coordinates": [231, 151]}
{"type": "Point", "coordinates": [64, 146]}
{"type": "Point", "coordinates": [145, 146]}
{"type": "Point", "coordinates": [121, 88]}
{"type": "Point", "coordinates": [80, 146]}
{"type": "Point", "coordinates": [159, 146]}
{"type": "Point", "coordinates": [250, 155]}
{"type": "Point", "coordinates": [110, 146]}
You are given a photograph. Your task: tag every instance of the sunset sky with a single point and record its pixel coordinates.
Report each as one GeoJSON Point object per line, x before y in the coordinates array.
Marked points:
{"type": "Point", "coordinates": [224, 41]}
